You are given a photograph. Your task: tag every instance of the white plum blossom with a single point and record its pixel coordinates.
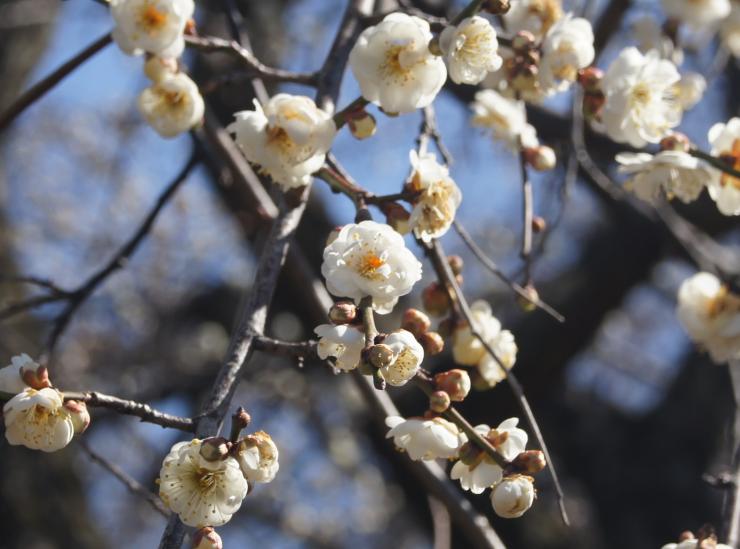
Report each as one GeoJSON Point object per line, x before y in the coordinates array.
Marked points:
{"type": "Point", "coordinates": [697, 14]}
{"type": "Point", "coordinates": [535, 16]}
{"type": "Point", "coordinates": [370, 259]}
{"type": "Point", "coordinates": [468, 350]}
{"type": "Point", "coordinates": [710, 313]}
{"type": "Point", "coordinates": [152, 26]}
{"type": "Point", "coordinates": [437, 200]}
{"type": "Point", "coordinates": [666, 174]}
{"type": "Point", "coordinates": [567, 47]}
{"type": "Point", "coordinates": [199, 491]}
{"type": "Point", "coordinates": [288, 138]}
{"type": "Point", "coordinates": [724, 188]}
{"type": "Point", "coordinates": [425, 439]}
{"type": "Point", "coordinates": [690, 89]}
{"type": "Point", "coordinates": [513, 496]}
{"type": "Point", "coordinates": [470, 50]}
{"type": "Point", "coordinates": [11, 376]}
{"type": "Point", "coordinates": [729, 30]}
{"type": "Point", "coordinates": [408, 355]}
{"type": "Point", "coordinates": [393, 65]}
{"type": "Point", "coordinates": [483, 472]}
{"type": "Point", "coordinates": [172, 105]}
{"type": "Point", "coordinates": [258, 457]}
{"type": "Point", "coordinates": [38, 420]}
{"type": "Point", "coordinates": [343, 342]}
{"type": "Point", "coordinates": [641, 103]}
{"type": "Point", "coordinates": [505, 117]}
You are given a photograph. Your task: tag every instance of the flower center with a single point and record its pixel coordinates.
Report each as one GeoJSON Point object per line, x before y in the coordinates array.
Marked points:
{"type": "Point", "coordinates": [151, 18]}
{"type": "Point", "coordinates": [724, 302]}
{"type": "Point", "coordinates": [733, 160]}
{"type": "Point", "coordinates": [369, 265]}
{"type": "Point", "coordinates": [641, 94]}
{"type": "Point", "coordinates": [207, 480]}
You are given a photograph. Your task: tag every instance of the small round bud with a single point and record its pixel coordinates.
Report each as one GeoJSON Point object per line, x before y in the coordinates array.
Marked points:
{"type": "Point", "coordinates": [590, 78]}
{"type": "Point", "coordinates": [242, 418]}
{"type": "Point", "coordinates": [439, 401]}
{"type": "Point", "coordinates": [343, 312]}
{"type": "Point", "coordinates": [529, 303]}
{"type": "Point", "coordinates": [512, 496]}
{"type": "Point", "coordinates": [529, 462]}
{"type": "Point", "coordinates": [538, 224]}
{"type": "Point", "coordinates": [435, 299]}
{"type": "Point", "coordinates": [676, 141]}
{"type": "Point", "coordinates": [456, 264]}
{"type": "Point", "coordinates": [397, 217]}
{"type": "Point", "coordinates": [214, 448]}
{"type": "Point", "coordinates": [37, 378]}
{"type": "Point", "coordinates": [541, 158]}
{"type": "Point", "coordinates": [79, 415]}
{"type": "Point", "coordinates": [207, 538]}
{"type": "Point", "coordinates": [157, 69]}
{"type": "Point", "coordinates": [455, 382]}
{"type": "Point", "coordinates": [432, 342]}
{"type": "Point", "coordinates": [523, 40]}
{"type": "Point", "coordinates": [497, 7]}
{"type": "Point", "coordinates": [434, 48]}
{"type": "Point", "coordinates": [416, 322]}
{"type": "Point", "coordinates": [380, 355]}
{"type": "Point", "coordinates": [361, 124]}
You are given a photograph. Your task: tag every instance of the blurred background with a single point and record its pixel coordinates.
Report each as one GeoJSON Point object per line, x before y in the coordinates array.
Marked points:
{"type": "Point", "coordinates": [634, 416]}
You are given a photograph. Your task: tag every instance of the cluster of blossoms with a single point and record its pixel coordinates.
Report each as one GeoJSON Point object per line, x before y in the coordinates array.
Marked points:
{"type": "Point", "coordinates": [205, 481]}
{"type": "Point", "coordinates": [38, 416]}
{"type": "Point", "coordinates": [156, 28]}
{"type": "Point", "coordinates": [710, 313]}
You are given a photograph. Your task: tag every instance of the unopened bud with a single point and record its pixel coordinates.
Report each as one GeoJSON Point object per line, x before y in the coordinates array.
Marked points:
{"type": "Point", "coordinates": [686, 535]}
{"type": "Point", "coordinates": [590, 78]}
{"type": "Point", "coordinates": [497, 7]}
{"type": "Point", "coordinates": [380, 355]}
{"type": "Point", "coordinates": [343, 312]}
{"type": "Point", "coordinates": [157, 69]}
{"type": "Point", "coordinates": [528, 303]}
{"type": "Point", "coordinates": [538, 224]}
{"type": "Point", "coordinates": [523, 40]}
{"type": "Point", "coordinates": [439, 401]}
{"type": "Point", "coordinates": [529, 462]}
{"type": "Point", "coordinates": [36, 379]}
{"type": "Point", "coordinates": [416, 322]}
{"type": "Point", "coordinates": [676, 141]}
{"type": "Point", "coordinates": [214, 448]}
{"type": "Point", "coordinates": [541, 158]}
{"type": "Point", "coordinates": [455, 382]}
{"type": "Point", "coordinates": [397, 217]}
{"type": "Point", "coordinates": [432, 342]}
{"type": "Point", "coordinates": [78, 414]}
{"type": "Point", "coordinates": [190, 27]}
{"type": "Point", "coordinates": [361, 124]}
{"type": "Point", "coordinates": [456, 264]}
{"type": "Point", "coordinates": [435, 299]}
{"type": "Point", "coordinates": [207, 538]}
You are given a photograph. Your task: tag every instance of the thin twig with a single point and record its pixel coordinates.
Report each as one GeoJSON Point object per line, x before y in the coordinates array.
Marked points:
{"type": "Point", "coordinates": [715, 162]}
{"type": "Point", "coordinates": [133, 485]}
{"type": "Point", "coordinates": [527, 214]}
{"type": "Point", "coordinates": [38, 90]}
{"type": "Point", "coordinates": [429, 131]}
{"type": "Point", "coordinates": [35, 281]}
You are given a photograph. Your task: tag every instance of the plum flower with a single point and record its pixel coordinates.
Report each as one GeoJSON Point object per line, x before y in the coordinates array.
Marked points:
{"type": "Point", "coordinates": [535, 16]}
{"type": "Point", "coordinates": [724, 188]}
{"type": "Point", "coordinates": [641, 103]}
{"type": "Point", "coordinates": [152, 26]}
{"type": "Point", "coordinates": [505, 117]}
{"type": "Point", "coordinates": [343, 342]}
{"type": "Point", "coordinates": [172, 105]}
{"type": "Point", "coordinates": [425, 439]}
{"type": "Point", "coordinates": [393, 65]}
{"type": "Point", "coordinates": [470, 50]}
{"type": "Point", "coordinates": [288, 138]}
{"type": "Point", "coordinates": [258, 457]}
{"type": "Point", "coordinates": [437, 199]}
{"type": "Point", "coordinates": [513, 496]}
{"type": "Point", "coordinates": [408, 355]}
{"type": "Point", "coordinates": [370, 259]}
{"type": "Point", "coordinates": [480, 471]}
{"type": "Point", "coordinates": [38, 420]}
{"type": "Point", "coordinates": [567, 47]}
{"type": "Point", "coordinates": [201, 492]}
{"type": "Point", "coordinates": [710, 313]}
{"type": "Point", "coordinates": [668, 173]}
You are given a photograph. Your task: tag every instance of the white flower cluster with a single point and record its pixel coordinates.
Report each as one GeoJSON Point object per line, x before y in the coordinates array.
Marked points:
{"type": "Point", "coordinates": [710, 313]}
{"type": "Point", "coordinates": [205, 487]}
{"type": "Point", "coordinates": [38, 417]}
{"type": "Point", "coordinates": [468, 350]}
{"type": "Point", "coordinates": [172, 104]}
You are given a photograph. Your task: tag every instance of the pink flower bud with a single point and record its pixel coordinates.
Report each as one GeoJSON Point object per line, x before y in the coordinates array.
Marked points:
{"type": "Point", "coordinates": [455, 383]}
{"type": "Point", "coordinates": [79, 415]}
{"type": "Point", "coordinates": [207, 538]}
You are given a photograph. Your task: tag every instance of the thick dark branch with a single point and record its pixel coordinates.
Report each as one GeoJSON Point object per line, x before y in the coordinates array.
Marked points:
{"type": "Point", "coordinates": [715, 162]}
{"type": "Point", "coordinates": [250, 62]}
{"type": "Point", "coordinates": [38, 90]}
{"type": "Point", "coordinates": [132, 408]}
